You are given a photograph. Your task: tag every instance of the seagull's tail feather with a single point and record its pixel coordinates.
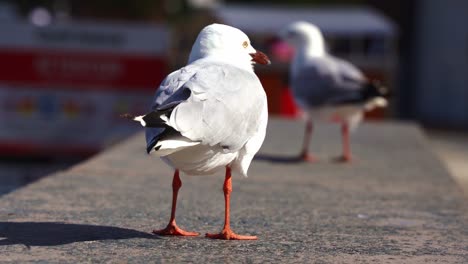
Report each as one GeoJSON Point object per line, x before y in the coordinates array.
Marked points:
{"type": "Point", "coordinates": [151, 119]}
{"type": "Point", "coordinates": [168, 142]}
{"type": "Point", "coordinates": [375, 94]}
{"type": "Point", "coordinates": [375, 88]}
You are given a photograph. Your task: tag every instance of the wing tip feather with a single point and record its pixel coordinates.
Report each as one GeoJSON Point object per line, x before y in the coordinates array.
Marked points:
{"type": "Point", "coordinates": [134, 118]}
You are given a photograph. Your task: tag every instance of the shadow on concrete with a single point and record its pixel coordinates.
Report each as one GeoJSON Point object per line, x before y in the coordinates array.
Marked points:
{"type": "Point", "coordinates": [52, 234]}
{"type": "Point", "coordinates": [297, 159]}
{"type": "Point", "coordinates": [279, 159]}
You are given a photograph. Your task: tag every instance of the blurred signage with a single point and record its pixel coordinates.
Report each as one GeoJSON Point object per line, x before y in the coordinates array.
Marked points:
{"type": "Point", "coordinates": [63, 87]}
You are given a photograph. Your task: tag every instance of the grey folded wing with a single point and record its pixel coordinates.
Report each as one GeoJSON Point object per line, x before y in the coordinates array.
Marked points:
{"type": "Point", "coordinates": [327, 81]}
{"type": "Point", "coordinates": [168, 95]}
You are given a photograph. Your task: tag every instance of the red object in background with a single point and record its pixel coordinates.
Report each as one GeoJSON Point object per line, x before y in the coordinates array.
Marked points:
{"type": "Point", "coordinates": [64, 86]}
{"type": "Point", "coordinates": [288, 107]}
{"type": "Point", "coordinates": [87, 70]}
{"type": "Point", "coordinates": [282, 51]}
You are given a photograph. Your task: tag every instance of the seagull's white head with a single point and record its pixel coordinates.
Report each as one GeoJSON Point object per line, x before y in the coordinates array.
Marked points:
{"type": "Point", "coordinates": [227, 44]}
{"type": "Point", "coordinates": [306, 36]}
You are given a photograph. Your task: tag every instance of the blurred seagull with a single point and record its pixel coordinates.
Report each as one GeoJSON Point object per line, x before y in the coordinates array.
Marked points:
{"type": "Point", "coordinates": [327, 87]}
{"type": "Point", "coordinates": [209, 115]}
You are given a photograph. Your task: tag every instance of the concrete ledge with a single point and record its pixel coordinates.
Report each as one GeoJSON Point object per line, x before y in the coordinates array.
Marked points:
{"type": "Point", "coordinates": [396, 203]}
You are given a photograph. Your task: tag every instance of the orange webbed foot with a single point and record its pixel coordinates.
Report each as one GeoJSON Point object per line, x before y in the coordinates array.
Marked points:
{"type": "Point", "coordinates": [343, 159]}
{"type": "Point", "coordinates": [227, 234]}
{"type": "Point", "coordinates": [174, 230]}
{"type": "Point", "coordinates": [308, 157]}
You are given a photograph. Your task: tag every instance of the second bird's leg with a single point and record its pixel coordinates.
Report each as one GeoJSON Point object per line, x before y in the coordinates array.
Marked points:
{"type": "Point", "coordinates": [346, 142]}
{"type": "Point", "coordinates": [172, 229]}
{"type": "Point", "coordinates": [227, 233]}
{"type": "Point", "coordinates": [305, 155]}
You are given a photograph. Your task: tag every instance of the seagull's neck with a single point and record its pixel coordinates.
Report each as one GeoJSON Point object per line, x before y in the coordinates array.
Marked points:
{"type": "Point", "coordinates": [231, 61]}
{"type": "Point", "coordinates": [312, 48]}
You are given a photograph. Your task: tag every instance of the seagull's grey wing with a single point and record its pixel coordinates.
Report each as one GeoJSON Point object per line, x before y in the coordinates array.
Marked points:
{"type": "Point", "coordinates": [224, 107]}
{"type": "Point", "coordinates": [348, 76]}
{"type": "Point", "coordinates": [169, 89]}
{"type": "Point", "coordinates": [168, 95]}
{"type": "Point", "coordinates": [312, 84]}
{"type": "Point", "coordinates": [326, 80]}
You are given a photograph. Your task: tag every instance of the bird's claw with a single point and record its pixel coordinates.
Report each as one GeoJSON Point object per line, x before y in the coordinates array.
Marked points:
{"type": "Point", "coordinates": [229, 235]}
{"type": "Point", "coordinates": [307, 157]}
{"type": "Point", "coordinates": [343, 159]}
{"type": "Point", "coordinates": [174, 230]}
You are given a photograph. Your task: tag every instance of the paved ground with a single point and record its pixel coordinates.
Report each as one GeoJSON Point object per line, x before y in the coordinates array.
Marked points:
{"type": "Point", "coordinates": [396, 203]}
{"type": "Point", "coordinates": [452, 148]}
{"type": "Point", "coordinates": [17, 173]}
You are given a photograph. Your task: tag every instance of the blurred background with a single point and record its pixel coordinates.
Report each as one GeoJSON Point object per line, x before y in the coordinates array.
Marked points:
{"type": "Point", "coordinates": [69, 68]}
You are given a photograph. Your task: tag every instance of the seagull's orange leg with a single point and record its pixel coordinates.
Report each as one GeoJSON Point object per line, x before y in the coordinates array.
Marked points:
{"type": "Point", "coordinates": [172, 229]}
{"type": "Point", "coordinates": [346, 144]}
{"type": "Point", "coordinates": [305, 155]}
{"type": "Point", "coordinates": [227, 233]}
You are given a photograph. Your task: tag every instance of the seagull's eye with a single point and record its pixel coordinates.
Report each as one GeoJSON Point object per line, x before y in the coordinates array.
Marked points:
{"type": "Point", "coordinates": [245, 44]}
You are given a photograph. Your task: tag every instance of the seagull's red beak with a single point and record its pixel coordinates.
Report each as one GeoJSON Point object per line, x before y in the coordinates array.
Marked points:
{"type": "Point", "coordinates": [260, 58]}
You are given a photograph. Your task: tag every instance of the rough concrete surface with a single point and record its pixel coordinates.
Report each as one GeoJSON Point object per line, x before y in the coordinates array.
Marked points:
{"type": "Point", "coordinates": [452, 148]}
{"type": "Point", "coordinates": [395, 204]}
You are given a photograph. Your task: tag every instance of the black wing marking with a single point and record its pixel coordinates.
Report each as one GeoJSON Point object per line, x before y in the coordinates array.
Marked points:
{"type": "Point", "coordinates": [169, 131]}
{"type": "Point", "coordinates": [154, 118]}
{"type": "Point", "coordinates": [175, 99]}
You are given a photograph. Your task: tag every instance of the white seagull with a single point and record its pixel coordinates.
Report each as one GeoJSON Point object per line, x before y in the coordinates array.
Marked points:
{"type": "Point", "coordinates": [326, 87]}
{"type": "Point", "coordinates": [209, 115]}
